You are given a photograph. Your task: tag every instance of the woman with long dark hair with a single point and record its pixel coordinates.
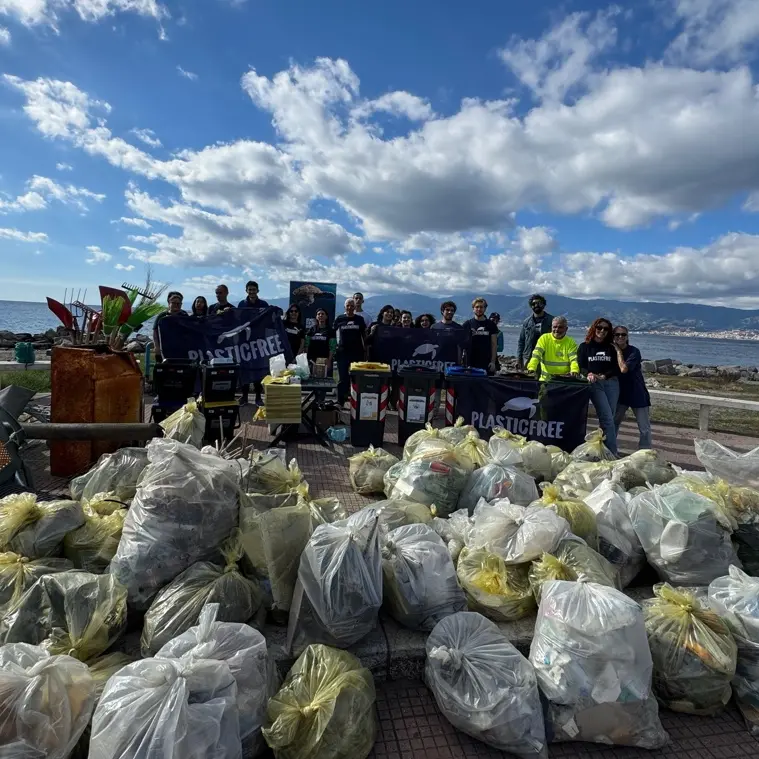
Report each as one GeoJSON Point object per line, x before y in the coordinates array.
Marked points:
{"type": "Point", "coordinates": [425, 321]}
{"type": "Point", "coordinates": [602, 363]}
{"type": "Point", "coordinates": [200, 306]}
{"type": "Point", "coordinates": [296, 335]}
{"type": "Point", "coordinates": [320, 339]}
{"type": "Point", "coordinates": [384, 318]}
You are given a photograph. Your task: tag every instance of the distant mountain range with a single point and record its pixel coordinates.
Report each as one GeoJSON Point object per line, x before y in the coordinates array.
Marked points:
{"type": "Point", "coordinates": [638, 316]}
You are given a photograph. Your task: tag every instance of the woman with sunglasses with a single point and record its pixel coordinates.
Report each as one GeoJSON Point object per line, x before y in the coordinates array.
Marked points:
{"type": "Point", "coordinates": [296, 334]}
{"type": "Point", "coordinates": [602, 363]}
{"type": "Point", "coordinates": [633, 393]}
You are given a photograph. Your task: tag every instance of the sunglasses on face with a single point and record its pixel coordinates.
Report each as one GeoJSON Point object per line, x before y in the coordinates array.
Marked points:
{"type": "Point", "coordinates": [602, 329]}
{"type": "Point", "coordinates": [620, 334]}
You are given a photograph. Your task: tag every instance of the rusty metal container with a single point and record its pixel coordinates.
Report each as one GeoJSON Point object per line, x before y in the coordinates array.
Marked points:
{"type": "Point", "coordinates": [91, 385]}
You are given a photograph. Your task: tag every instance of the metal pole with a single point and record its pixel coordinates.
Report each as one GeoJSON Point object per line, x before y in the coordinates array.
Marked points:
{"type": "Point", "coordinates": [81, 432]}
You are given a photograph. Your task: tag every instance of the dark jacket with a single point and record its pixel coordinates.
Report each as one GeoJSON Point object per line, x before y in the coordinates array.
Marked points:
{"type": "Point", "coordinates": [632, 385]}
{"type": "Point", "coordinates": [530, 334]}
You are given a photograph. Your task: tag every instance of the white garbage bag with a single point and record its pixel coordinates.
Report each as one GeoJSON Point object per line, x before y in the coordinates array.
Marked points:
{"type": "Point", "coordinates": [186, 506]}
{"type": "Point", "coordinates": [498, 481]}
{"type": "Point", "coordinates": [736, 468]}
{"type": "Point", "coordinates": [681, 535]}
{"type": "Point", "coordinates": [46, 702]}
{"type": "Point", "coordinates": [168, 708]}
{"type": "Point", "coordinates": [244, 650]}
{"type": "Point", "coordinates": [617, 540]}
{"type": "Point", "coordinates": [593, 664]}
{"type": "Point", "coordinates": [560, 460]}
{"type": "Point", "coordinates": [644, 467]}
{"type": "Point", "coordinates": [339, 590]}
{"type": "Point", "coordinates": [454, 531]}
{"type": "Point", "coordinates": [420, 585]}
{"type": "Point", "coordinates": [484, 686]}
{"type": "Point", "coordinates": [117, 473]}
{"type": "Point", "coordinates": [517, 534]}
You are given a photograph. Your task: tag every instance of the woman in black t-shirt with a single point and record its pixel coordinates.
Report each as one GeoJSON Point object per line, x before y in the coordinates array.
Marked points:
{"type": "Point", "coordinates": [319, 340]}
{"type": "Point", "coordinates": [296, 335]}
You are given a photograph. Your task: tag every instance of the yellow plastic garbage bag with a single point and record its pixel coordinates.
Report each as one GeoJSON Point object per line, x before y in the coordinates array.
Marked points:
{"type": "Point", "coordinates": [187, 424]}
{"type": "Point", "coordinates": [475, 449]}
{"type": "Point", "coordinates": [428, 433]}
{"type": "Point", "coordinates": [18, 574]}
{"type": "Point", "coordinates": [366, 470]}
{"type": "Point", "coordinates": [580, 478]}
{"type": "Point", "coordinates": [502, 593]}
{"type": "Point", "coordinates": [322, 510]}
{"type": "Point", "coordinates": [94, 544]}
{"type": "Point", "coordinates": [593, 449]}
{"type": "Point", "coordinates": [458, 432]}
{"type": "Point", "coordinates": [581, 518]}
{"type": "Point", "coordinates": [393, 513]}
{"type": "Point", "coordinates": [324, 710]}
{"type": "Point", "coordinates": [268, 473]}
{"type": "Point", "coordinates": [693, 651]}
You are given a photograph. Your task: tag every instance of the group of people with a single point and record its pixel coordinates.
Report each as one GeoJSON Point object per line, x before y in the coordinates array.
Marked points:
{"type": "Point", "coordinates": [544, 349]}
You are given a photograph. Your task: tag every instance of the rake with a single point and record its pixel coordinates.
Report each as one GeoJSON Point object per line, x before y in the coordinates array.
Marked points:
{"type": "Point", "coordinates": [147, 293]}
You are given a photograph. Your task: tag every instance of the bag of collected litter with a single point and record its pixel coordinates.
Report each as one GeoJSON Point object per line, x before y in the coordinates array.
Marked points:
{"type": "Point", "coordinates": [265, 501]}
{"type": "Point", "coordinates": [177, 607]}
{"type": "Point", "coordinates": [339, 590]}
{"type": "Point", "coordinates": [168, 708]}
{"type": "Point", "coordinates": [74, 613]}
{"type": "Point", "coordinates": [322, 510]}
{"type": "Point", "coordinates": [572, 560]}
{"type": "Point", "coordinates": [593, 449]}
{"type": "Point", "coordinates": [187, 425]}
{"type": "Point", "coordinates": [484, 686]}
{"type": "Point", "coordinates": [458, 432]}
{"type": "Point", "coordinates": [735, 598]}
{"type": "Point", "coordinates": [185, 508]}
{"type": "Point", "coordinates": [393, 513]}
{"type": "Point", "coordinates": [36, 529]}
{"type": "Point", "coordinates": [244, 650]}
{"type": "Point", "coordinates": [116, 473]}
{"type": "Point", "coordinates": [533, 457]}
{"type": "Point", "coordinates": [453, 531]}
{"type": "Point", "coordinates": [582, 520]}
{"type": "Point", "coordinates": [560, 460]}
{"type": "Point", "coordinates": [47, 702]}
{"type": "Point", "coordinates": [367, 470]}
{"type": "Point", "coordinates": [18, 574]}
{"type": "Point", "coordinates": [581, 478]}
{"type": "Point", "coordinates": [104, 667]}
{"type": "Point", "coordinates": [324, 710]}
{"type": "Point", "coordinates": [593, 665]}
{"type": "Point", "coordinates": [94, 544]}
{"type": "Point", "coordinates": [536, 461]}
{"type": "Point", "coordinates": [517, 534]}
{"type": "Point", "coordinates": [644, 467]}
{"type": "Point", "coordinates": [617, 541]}
{"type": "Point", "coordinates": [495, 480]}
{"type": "Point", "coordinates": [268, 473]}
{"type": "Point", "coordinates": [420, 585]}
{"type": "Point", "coordinates": [681, 535]}
{"type": "Point", "coordinates": [391, 477]}
{"type": "Point", "coordinates": [502, 593]}
{"type": "Point", "coordinates": [474, 449]}
{"type": "Point", "coordinates": [414, 440]}
{"type": "Point", "coordinates": [693, 651]}
{"type": "Point", "coordinates": [736, 468]}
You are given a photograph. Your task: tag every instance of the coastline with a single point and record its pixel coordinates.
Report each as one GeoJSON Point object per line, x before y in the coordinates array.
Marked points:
{"type": "Point", "coordinates": [740, 334]}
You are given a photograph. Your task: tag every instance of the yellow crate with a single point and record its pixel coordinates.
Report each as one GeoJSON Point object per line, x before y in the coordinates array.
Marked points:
{"type": "Point", "coordinates": [282, 403]}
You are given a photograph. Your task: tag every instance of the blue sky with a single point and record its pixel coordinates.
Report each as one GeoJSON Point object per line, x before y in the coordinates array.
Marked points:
{"type": "Point", "coordinates": [573, 147]}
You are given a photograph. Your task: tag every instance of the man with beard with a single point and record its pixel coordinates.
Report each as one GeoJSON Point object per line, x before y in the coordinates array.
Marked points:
{"type": "Point", "coordinates": [533, 327]}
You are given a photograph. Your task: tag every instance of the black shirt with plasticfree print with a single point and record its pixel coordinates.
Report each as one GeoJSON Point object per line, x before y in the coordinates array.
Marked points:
{"type": "Point", "coordinates": [295, 336]}
{"type": "Point", "coordinates": [481, 351]}
{"type": "Point", "coordinates": [318, 342]}
{"type": "Point", "coordinates": [598, 358]}
{"type": "Point", "coordinates": [350, 331]}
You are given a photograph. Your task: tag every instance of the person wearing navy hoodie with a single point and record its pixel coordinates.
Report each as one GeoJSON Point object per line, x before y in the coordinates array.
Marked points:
{"type": "Point", "coordinates": [633, 393]}
{"type": "Point", "coordinates": [252, 301]}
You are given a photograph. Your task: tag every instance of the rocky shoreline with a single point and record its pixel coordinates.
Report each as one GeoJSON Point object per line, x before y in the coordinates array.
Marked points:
{"type": "Point", "coordinates": [46, 341]}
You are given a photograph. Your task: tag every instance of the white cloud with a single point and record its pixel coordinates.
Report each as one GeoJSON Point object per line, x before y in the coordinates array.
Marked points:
{"type": "Point", "coordinates": [5, 36]}
{"type": "Point", "coordinates": [97, 256]}
{"type": "Point", "coordinates": [148, 136]}
{"type": "Point", "coordinates": [187, 74]}
{"type": "Point", "coordinates": [18, 236]}
{"type": "Point", "coordinates": [398, 104]}
{"type": "Point", "coordinates": [132, 222]}
{"type": "Point", "coordinates": [208, 282]}
{"type": "Point", "coordinates": [714, 30]}
{"type": "Point", "coordinates": [124, 267]}
{"type": "Point", "coordinates": [64, 167]}
{"type": "Point", "coordinates": [40, 191]}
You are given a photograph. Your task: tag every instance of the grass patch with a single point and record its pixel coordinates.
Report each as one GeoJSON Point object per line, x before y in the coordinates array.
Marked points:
{"type": "Point", "coordinates": [36, 380]}
{"type": "Point", "coordinates": [709, 386]}
{"type": "Point", "coordinates": [733, 421]}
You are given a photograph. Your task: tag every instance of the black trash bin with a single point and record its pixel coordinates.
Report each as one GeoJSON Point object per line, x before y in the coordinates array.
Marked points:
{"type": "Point", "coordinates": [222, 419]}
{"type": "Point", "coordinates": [370, 389]}
{"type": "Point", "coordinates": [416, 400]}
{"type": "Point", "coordinates": [174, 381]}
{"type": "Point", "coordinates": [453, 376]}
{"type": "Point", "coordinates": [219, 383]}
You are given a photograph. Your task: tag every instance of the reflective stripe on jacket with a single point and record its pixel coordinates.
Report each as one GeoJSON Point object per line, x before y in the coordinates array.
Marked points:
{"type": "Point", "coordinates": [554, 356]}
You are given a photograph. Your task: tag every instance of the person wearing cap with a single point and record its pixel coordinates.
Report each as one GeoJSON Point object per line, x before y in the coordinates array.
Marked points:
{"type": "Point", "coordinates": [495, 317]}
{"type": "Point", "coordinates": [539, 323]}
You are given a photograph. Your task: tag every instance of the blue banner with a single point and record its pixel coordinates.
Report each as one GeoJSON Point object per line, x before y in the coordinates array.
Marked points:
{"type": "Point", "coordinates": [248, 336]}
{"type": "Point", "coordinates": [311, 296]}
{"type": "Point", "coordinates": [433, 348]}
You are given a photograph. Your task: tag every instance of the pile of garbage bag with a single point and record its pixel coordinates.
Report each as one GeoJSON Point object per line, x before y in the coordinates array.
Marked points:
{"type": "Point", "coordinates": [736, 468]}
{"type": "Point", "coordinates": [339, 590]}
{"type": "Point", "coordinates": [573, 560]}
{"type": "Point", "coordinates": [693, 651]}
{"type": "Point", "coordinates": [116, 473]}
{"type": "Point", "coordinates": [46, 705]}
{"type": "Point", "coordinates": [517, 534]}
{"type": "Point", "coordinates": [74, 613]}
{"type": "Point", "coordinates": [18, 574]}
{"type": "Point", "coordinates": [593, 665]}
{"type": "Point", "coordinates": [36, 529]}
{"type": "Point", "coordinates": [324, 710]}
{"type": "Point", "coordinates": [394, 513]}
{"type": "Point", "coordinates": [458, 431]}
{"type": "Point", "coordinates": [593, 449]}
{"type": "Point", "coordinates": [484, 686]}
{"type": "Point", "coordinates": [268, 473]}
{"type": "Point", "coordinates": [172, 708]}
{"type": "Point", "coordinates": [92, 546]}
{"type": "Point", "coordinates": [735, 598]}
{"type": "Point", "coordinates": [186, 424]}
{"type": "Point", "coordinates": [496, 480]}
{"type": "Point", "coordinates": [366, 470]}
{"type": "Point", "coordinates": [581, 519]}
{"type": "Point", "coordinates": [617, 540]}
{"type": "Point", "coordinates": [245, 652]}
{"type": "Point", "coordinates": [682, 536]}
{"type": "Point", "coordinates": [420, 585]}
{"type": "Point", "coordinates": [177, 606]}
{"type": "Point", "coordinates": [500, 592]}
{"type": "Point", "coordinates": [185, 508]}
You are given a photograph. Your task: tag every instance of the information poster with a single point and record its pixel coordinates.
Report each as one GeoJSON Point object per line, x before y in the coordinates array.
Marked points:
{"type": "Point", "coordinates": [311, 296]}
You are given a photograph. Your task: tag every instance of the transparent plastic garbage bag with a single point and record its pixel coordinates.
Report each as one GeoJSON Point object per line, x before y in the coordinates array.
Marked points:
{"type": "Point", "coordinates": [394, 513]}
{"type": "Point", "coordinates": [560, 460]}
{"type": "Point", "coordinates": [453, 531]}
{"type": "Point", "coordinates": [693, 651]}
{"type": "Point", "coordinates": [47, 702]}
{"type": "Point", "coordinates": [495, 480]}
{"type": "Point", "coordinates": [458, 431]}
{"type": "Point", "coordinates": [187, 425]}
{"type": "Point", "coordinates": [18, 574]}
{"type": "Point", "coordinates": [580, 478]}
{"type": "Point", "coordinates": [268, 473]}
{"type": "Point", "coordinates": [420, 584]}
{"type": "Point", "coordinates": [366, 470]}
{"type": "Point", "coordinates": [168, 708]}
{"type": "Point", "coordinates": [644, 467]}
{"type": "Point", "coordinates": [322, 510]}
{"type": "Point", "coordinates": [736, 468]}
{"type": "Point", "coordinates": [92, 546]}
{"type": "Point", "coordinates": [593, 449]}
{"type": "Point", "coordinates": [325, 708]}
{"type": "Point", "coordinates": [417, 438]}
{"type": "Point", "coordinates": [484, 686]}
{"type": "Point", "coordinates": [117, 473]}
{"type": "Point", "coordinates": [593, 665]}
{"type": "Point", "coordinates": [582, 520]}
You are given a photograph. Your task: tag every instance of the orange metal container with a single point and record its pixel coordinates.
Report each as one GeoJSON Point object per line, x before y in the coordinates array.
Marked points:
{"type": "Point", "coordinates": [91, 385]}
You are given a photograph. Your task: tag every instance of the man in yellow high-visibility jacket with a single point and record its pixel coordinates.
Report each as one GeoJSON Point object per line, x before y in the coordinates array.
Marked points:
{"type": "Point", "coordinates": [555, 353]}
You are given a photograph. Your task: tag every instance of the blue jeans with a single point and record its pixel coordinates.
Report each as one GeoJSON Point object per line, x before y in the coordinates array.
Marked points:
{"type": "Point", "coordinates": [605, 394]}
{"type": "Point", "coordinates": [643, 418]}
